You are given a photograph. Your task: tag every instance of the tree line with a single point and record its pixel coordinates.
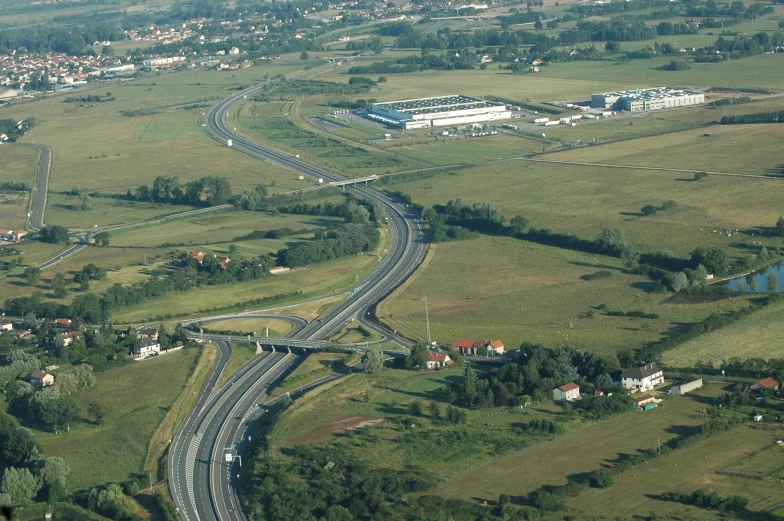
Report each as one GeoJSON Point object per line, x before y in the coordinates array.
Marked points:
{"type": "Point", "coordinates": [206, 191]}
{"type": "Point", "coordinates": [757, 117]}
{"type": "Point", "coordinates": [348, 239]}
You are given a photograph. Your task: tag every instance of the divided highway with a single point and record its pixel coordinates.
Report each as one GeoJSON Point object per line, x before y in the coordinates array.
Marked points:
{"type": "Point", "coordinates": [204, 456]}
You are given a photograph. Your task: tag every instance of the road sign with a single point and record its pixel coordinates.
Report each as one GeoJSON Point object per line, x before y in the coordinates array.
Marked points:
{"type": "Point", "coordinates": [228, 457]}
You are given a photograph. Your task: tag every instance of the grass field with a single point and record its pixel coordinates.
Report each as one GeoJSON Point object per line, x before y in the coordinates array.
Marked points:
{"type": "Point", "coordinates": [60, 210]}
{"type": "Point", "coordinates": [354, 333]}
{"type": "Point", "coordinates": [315, 366]}
{"type": "Point", "coordinates": [524, 292]}
{"type": "Point", "coordinates": [116, 450]}
{"type": "Point", "coordinates": [17, 164]}
{"type": "Point", "coordinates": [583, 200]}
{"type": "Point", "coordinates": [277, 328]}
{"type": "Point", "coordinates": [241, 353]}
{"type": "Point", "coordinates": [754, 337]}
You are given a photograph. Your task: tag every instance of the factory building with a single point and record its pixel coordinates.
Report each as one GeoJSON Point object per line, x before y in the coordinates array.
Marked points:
{"type": "Point", "coordinates": [647, 99]}
{"type": "Point", "coordinates": [438, 112]}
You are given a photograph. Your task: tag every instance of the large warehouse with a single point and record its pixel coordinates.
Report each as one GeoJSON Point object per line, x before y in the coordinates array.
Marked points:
{"type": "Point", "coordinates": [438, 112]}
{"type": "Point", "coordinates": [647, 99]}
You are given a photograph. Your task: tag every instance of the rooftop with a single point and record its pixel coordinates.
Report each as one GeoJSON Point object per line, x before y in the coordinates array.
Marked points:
{"type": "Point", "coordinates": [641, 372]}
{"type": "Point", "coordinates": [655, 93]}
{"type": "Point", "coordinates": [436, 105]}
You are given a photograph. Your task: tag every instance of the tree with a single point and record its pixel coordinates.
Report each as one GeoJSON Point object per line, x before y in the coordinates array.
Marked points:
{"type": "Point", "coordinates": [114, 504]}
{"type": "Point", "coordinates": [58, 286]}
{"type": "Point", "coordinates": [434, 409]}
{"type": "Point", "coordinates": [771, 281]}
{"type": "Point", "coordinates": [304, 56]}
{"type": "Point", "coordinates": [754, 285]}
{"type": "Point", "coordinates": [649, 209]}
{"type": "Point", "coordinates": [715, 260]}
{"type": "Point", "coordinates": [604, 382]}
{"type": "Point", "coordinates": [20, 485]}
{"type": "Point", "coordinates": [33, 275]}
{"type": "Point", "coordinates": [612, 47]}
{"type": "Point", "coordinates": [55, 234]}
{"type": "Point", "coordinates": [680, 282]}
{"type": "Point", "coordinates": [107, 50]}
{"type": "Point", "coordinates": [65, 383]}
{"type": "Point", "coordinates": [417, 358]}
{"type": "Point", "coordinates": [338, 513]}
{"type": "Point", "coordinates": [83, 202]}
{"type": "Point", "coordinates": [699, 176]}
{"type": "Point", "coordinates": [469, 384]}
{"type": "Point", "coordinates": [52, 476]}
{"type": "Point", "coordinates": [763, 254]}
{"type": "Point", "coordinates": [20, 446]}
{"type": "Point", "coordinates": [538, 24]}
{"type": "Point", "coordinates": [102, 239]}
{"type": "Point", "coordinates": [780, 226]}
{"type": "Point", "coordinates": [373, 361]}
{"type": "Point", "coordinates": [96, 412]}
{"type": "Point", "coordinates": [518, 224]}
{"type": "Point", "coordinates": [415, 408]}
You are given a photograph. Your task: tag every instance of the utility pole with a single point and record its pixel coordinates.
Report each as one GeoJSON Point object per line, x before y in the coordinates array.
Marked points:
{"type": "Point", "coordinates": [427, 321]}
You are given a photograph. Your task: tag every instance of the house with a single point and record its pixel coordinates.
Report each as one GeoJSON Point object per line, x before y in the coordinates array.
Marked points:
{"type": "Point", "coordinates": [757, 417]}
{"type": "Point", "coordinates": [277, 270]}
{"type": "Point", "coordinates": [195, 255]}
{"type": "Point", "coordinates": [12, 235]}
{"type": "Point", "coordinates": [62, 323]}
{"type": "Point", "coordinates": [145, 332]}
{"type": "Point", "coordinates": [438, 360]}
{"type": "Point", "coordinates": [767, 383]}
{"type": "Point", "coordinates": [41, 379]}
{"type": "Point", "coordinates": [566, 393]}
{"type": "Point", "coordinates": [496, 347]}
{"type": "Point", "coordinates": [466, 346]}
{"type": "Point", "coordinates": [6, 326]}
{"type": "Point", "coordinates": [145, 347]}
{"type": "Point", "coordinates": [223, 262]}
{"type": "Point", "coordinates": [70, 336]}
{"type": "Point", "coordinates": [642, 378]}
{"type": "Point", "coordinates": [646, 402]}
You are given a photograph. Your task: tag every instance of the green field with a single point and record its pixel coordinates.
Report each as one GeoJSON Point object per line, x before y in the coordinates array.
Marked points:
{"type": "Point", "coordinates": [256, 326]}
{"type": "Point", "coordinates": [241, 353]}
{"type": "Point", "coordinates": [17, 164]}
{"type": "Point", "coordinates": [525, 292]}
{"type": "Point", "coordinates": [354, 333]}
{"type": "Point", "coordinates": [315, 366]}
{"type": "Point", "coordinates": [135, 399]}
{"type": "Point", "coordinates": [756, 336]}
{"type": "Point", "coordinates": [583, 199]}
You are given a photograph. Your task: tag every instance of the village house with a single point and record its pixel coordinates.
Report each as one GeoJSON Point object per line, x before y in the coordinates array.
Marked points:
{"type": "Point", "coordinates": [6, 326]}
{"type": "Point", "coordinates": [145, 347]}
{"type": "Point", "coordinates": [467, 346]}
{"type": "Point", "coordinates": [62, 323]}
{"type": "Point", "coordinates": [37, 379]}
{"type": "Point", "coordinates": [12, 235]}
{"type": "Point", "coordinates": [438, 360]}
{"type": "Point", "coordinates": [767, 383]}
{"type": "Point", "coordinates": [642, 378]}
{"type": "Point", "coordinates": [70, 336]}
{"type": "Point", "coordinates": [566, 393]}
{"type": "Point", "coordinates": [145, 332]}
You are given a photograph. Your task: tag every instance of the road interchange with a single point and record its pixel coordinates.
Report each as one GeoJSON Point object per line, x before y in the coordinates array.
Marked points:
{"type": "Point", "coordinates": [202, 479]}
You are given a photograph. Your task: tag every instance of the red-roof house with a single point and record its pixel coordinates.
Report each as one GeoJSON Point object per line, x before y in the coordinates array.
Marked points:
{"type": "Point", "coordinates": [466, 346]}
{"type": "Point", "coordinates": [566, 393]}
{"type": "Point", "coordinates": [767, 383]}
{"type": "Point", "coordinates": [62, 323]}
{"type": "Point", "coordinates": [496, 347]}
{"type": "Point", "coordinates": [438, 360]}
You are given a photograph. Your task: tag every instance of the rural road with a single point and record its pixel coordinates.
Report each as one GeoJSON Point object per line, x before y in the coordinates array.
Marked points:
{"type": "Point", "coordinates": [35, 219]}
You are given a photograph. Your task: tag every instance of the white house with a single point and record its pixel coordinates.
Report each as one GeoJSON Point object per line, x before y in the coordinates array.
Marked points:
{"type": "Point", "coordinates": [566, 393]}
{"type": "Point", "coordinates": [496, 347]}
{"type": "Point", "coordinates": [438, 360]}
{"type": "Point", "coordinates": [145, 347]}
{"type": "Point", "coordinates": [6, 326]}
{"type": "Point", "coordinates": [642, 378]}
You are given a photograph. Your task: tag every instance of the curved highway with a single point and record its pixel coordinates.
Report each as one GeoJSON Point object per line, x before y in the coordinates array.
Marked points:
{"type": "Point", "coordinates": [204, 457]}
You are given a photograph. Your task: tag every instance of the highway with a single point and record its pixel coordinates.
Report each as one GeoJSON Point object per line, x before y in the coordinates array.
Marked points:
{"type": "Point", "coordinates": [201, 478]}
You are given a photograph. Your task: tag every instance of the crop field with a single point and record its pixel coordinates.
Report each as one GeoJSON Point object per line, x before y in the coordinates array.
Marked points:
{"type": "Point", "coordinates": [115, 450]}
{"type": "Point", "coordinates": [525, 292]}
{"type": "Point", "coordinates": [583, 200]}
{"type": "Point", "coordinates": [757, 336]}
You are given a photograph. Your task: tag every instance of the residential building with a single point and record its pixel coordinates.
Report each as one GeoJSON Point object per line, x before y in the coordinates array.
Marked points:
{"type": "Point", "coordinates": [465, 346]}
{"type": "Point", "coordinates": [12, 235]}
{"type": "Point", "coordinates": [496, 347]}
{"type": "Point", "coordinates": [767, 383]}
{"type": "Point", "coordinates": [145, 347]}
{"type": "Point", "coordinates": [468, 346]}
{"type": "Point", "coordinates": [62, 323]}
{"type": "Point", "coordinates": [438, 360]}
{"type": "Point", "coordinates": [41, 379]}
{"type": "Point", "coordinates": [70, 336]}
{"type": "Point", "coordinates": [642, 378]}
{"type": "Point", "coordinates": [6, 326]}
{"type": "Point", "coordinates": [566, 393]}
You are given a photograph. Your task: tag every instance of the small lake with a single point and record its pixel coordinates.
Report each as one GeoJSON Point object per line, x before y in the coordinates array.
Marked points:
{"type": "Point", "coordinates": [759, 276]}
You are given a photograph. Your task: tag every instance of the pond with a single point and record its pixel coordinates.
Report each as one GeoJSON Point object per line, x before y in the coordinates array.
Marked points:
{"type": "Point", "coordinates": [760, 277]}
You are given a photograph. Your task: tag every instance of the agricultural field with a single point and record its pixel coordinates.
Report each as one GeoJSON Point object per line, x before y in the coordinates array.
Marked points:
{"type": "Point", "coordinates": [115, 450]}
{"type": "Point", "coordinates": [519, 292]}
{"type": "Point", "coordinates": [585, 199]}
{"type": "Point", "coordinates": [756, 336]}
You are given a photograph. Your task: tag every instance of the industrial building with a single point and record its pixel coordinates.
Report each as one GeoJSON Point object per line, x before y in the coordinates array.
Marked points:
{"type": "Point", "coordinates": [438, 112]}
{"type": "Point", "coordinates": [647, 99]}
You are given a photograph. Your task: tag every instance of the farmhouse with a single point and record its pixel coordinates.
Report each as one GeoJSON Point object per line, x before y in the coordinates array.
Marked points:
{"type": "Point", "coordinates": [145, 347]}
{"type": "Point", "coordinates": [468, 346]}
{"type": "Point", "coordinates": [438, 111]}
{"type": "Point", "coordinates": [642, 378]}
{"type": "Point", "coordinates": [62, 323]}
{"type": "Point", "coordinates": [438, 360]}
{"type": "Point", "coordinates": [37, 379]}
{"type": "Point", "coordinates": [767, 383]}
{"type": "Point", "coordinates": [566, 393]}
{"type": "Point", "coordinates": [6, 326]}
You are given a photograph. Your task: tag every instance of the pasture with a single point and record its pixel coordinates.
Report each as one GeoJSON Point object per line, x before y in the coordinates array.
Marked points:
{"type": "Point", "coordinates": [756, 336]}
{"type": "Point", "coordinates": [17, 164]}
{"type": "Point", "coordinates": [116, 449]}
{"type": "Point", "coordinates": [525, 292]}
